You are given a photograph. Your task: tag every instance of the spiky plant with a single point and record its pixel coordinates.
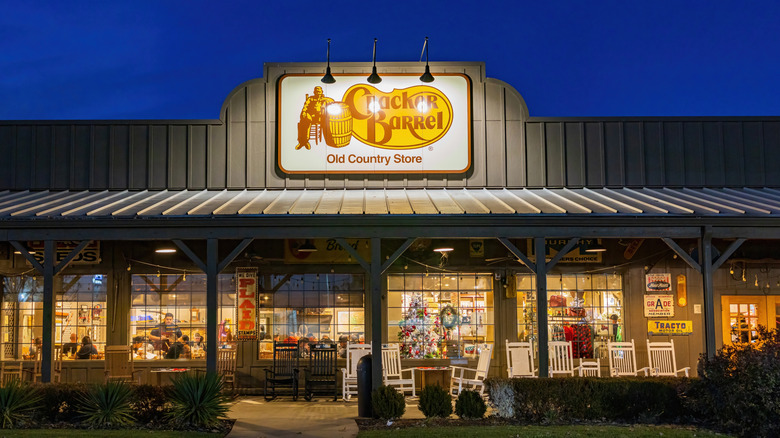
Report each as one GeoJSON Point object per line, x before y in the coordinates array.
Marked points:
{"type": "Point", "coordinates": [198, 400]}
{"type": "Point", "coordinates": [107, 405]}
{"type": "Point", "coordinates": [17, 401]}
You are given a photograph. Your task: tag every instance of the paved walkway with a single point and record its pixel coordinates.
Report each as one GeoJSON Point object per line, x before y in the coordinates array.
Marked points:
{"type": "Point", "coordinates": [256, 418]}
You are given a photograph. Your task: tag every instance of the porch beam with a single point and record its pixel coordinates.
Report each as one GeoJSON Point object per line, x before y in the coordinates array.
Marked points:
{"type": "Point", "coordinates": [683, 255]}
{"type": "Point", "coordinates": [212, 304]}
{"type": "Point", "coordinates": [565, 250]}
{"type": "Point", "coordinates": [71, 255]}
{"type": "Point", "coordinates": [517, 253]}
{"type": "Point", "coordinates": [540, 247]}
{"type": "Point", "coordinates": [48, 311]}
{"type": "Point", "coordinates": [705, 248]}
{"type": "Point", "coordinates": [725, 256]}
{"type": "Point", "coordinates": [376, 311]}
{"type": "Point", "coordinates": [353, 252]}
{"type": "Point", "coordinates": [398, 253]}
{"type": "Point", "coordinates": [26, 254]}
{"type": "Point", "coordinates": [189, 253]}
{"type": "Point", "coordinates": [233, 254]}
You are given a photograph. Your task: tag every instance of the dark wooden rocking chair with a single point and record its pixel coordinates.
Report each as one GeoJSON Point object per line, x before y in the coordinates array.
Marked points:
{"type": "Point", "coordinates": [284, 372]}
{"type": "Point", "coordinates": [321, 373]}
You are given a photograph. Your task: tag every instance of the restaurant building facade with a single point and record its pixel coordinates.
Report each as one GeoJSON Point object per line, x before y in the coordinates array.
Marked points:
{"type": "Point", "coordinates": [401, 212]}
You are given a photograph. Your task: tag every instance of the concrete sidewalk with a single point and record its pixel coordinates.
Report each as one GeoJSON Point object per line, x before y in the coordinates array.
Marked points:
{"type": "Point", "coordinates": [256, 418]}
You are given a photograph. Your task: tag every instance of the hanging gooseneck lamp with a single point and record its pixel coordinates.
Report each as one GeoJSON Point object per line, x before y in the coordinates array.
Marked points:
{"type": "Point", "coordinates": [374, 78]}
{"type": "Point", "coordinates": [328, 78]}
{"type": "Point", "coordinates": [427, 76]}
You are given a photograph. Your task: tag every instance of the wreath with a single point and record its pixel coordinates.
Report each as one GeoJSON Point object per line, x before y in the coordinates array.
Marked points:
{"type": "Point", "coordinates": [449, 318]}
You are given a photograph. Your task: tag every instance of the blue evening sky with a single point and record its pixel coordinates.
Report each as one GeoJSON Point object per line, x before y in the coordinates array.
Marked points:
{"type": "Point", "coordinates": [169, 59]}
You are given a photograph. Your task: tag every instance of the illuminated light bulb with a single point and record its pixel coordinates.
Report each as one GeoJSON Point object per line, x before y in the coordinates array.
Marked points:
{"type": "Point", "coordinates": [422, 107]}
{"type": "Point", "coordinates": [374, 106]}
{"type": "Point", "coordinates": [756, 284]}
{"type": "Point", "coordinates": [334, 110]}
{"type": "Point", "coordinates": [731, 270]}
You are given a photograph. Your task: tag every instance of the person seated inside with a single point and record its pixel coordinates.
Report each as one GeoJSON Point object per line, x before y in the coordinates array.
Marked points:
{"type": "Point", "coordinates": [197, 341]}
{"type": "Point", "coordinates": [343, 343]}
{"type": "Point", "coordinates": [261, 333]}
{"type": "Point", "coordinates": [70, 348]}
{"type": "Point", "coordinates": [87, 349]}
{"type": "Point", "coordinates": [35, 349]}
{"type": "Point", "coordinates": [180, 349]}
{"type": "Point", "coordinates": [304, 348]}
{"type": "Point", "coordinates": [165, 334]}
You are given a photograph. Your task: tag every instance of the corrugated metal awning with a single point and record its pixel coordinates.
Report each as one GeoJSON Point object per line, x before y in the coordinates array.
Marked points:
{"type": "Point", "coordinates": [726, 202]}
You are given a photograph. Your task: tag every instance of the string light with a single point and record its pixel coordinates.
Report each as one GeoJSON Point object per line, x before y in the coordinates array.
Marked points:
{"type": "Point", "coordinates": [756, 283]}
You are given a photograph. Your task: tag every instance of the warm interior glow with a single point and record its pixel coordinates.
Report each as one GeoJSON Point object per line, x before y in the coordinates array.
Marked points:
{"type": "Point", "coordinates": [165, 250]}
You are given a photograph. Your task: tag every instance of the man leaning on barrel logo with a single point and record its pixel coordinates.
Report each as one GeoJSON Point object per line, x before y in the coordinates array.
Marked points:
{"type": "Point", "coordinates": [311, 114]}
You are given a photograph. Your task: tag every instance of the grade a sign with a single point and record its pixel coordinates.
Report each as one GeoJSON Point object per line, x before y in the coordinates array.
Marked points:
{"type": "Point", "coordinates": [666, 328]}
{"type": "Point", "coordinates": [397, 126]}
{"type": "Point", "coordinates": [659, 305]}
{"type": "Point", "coordinates": [658, 282]}
{"type": "Point", "coordinates": [246, 300]}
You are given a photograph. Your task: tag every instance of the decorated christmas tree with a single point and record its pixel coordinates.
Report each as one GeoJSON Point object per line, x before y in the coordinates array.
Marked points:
{"type": "Point", "coordinates": [421, 332]}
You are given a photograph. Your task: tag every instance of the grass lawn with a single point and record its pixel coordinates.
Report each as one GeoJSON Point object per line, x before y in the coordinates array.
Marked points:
{"type": "Point", "coordinates": [56, 433]}
{"type": "Point", "coordinates": [541, 431]}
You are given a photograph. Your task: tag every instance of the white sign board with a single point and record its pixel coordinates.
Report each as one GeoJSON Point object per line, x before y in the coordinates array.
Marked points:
{"type": "Point", "coordinates": [659, 305]}
{"type": "Point", "coordinates": [400, 125]}
{"type": "Point", "coordinates": [658, 282]}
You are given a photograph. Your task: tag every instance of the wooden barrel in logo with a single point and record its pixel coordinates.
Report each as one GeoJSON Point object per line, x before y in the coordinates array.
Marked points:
{"type": "Point", "coordinates": [337, 125]}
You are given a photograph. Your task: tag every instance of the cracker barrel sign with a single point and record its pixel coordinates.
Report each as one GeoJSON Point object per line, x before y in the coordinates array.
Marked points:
{"type": "Point", "coordinates": [398, 126]}
{"type": "Point", "coordinates": [246, 303]}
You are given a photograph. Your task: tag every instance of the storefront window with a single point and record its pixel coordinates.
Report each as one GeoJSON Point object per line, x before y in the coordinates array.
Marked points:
{"type": "Point", "coordinates": [743, 319]}
{"type": "Point", "coordinates": [168, 315]}
{"type": "Point", "coordinates": [310, 307]}
{"type": "Point", "coordinates": [22, 320]}
{"type": "Point", "coordinates": [586, 309]}
{"type": "Point", "coordinates": [440, 315]}
{"type": "Point", "coordinates": [81, 314]}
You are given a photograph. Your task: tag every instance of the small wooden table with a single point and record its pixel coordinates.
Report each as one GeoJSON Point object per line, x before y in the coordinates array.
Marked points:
{"type": "Point", "coordinates": [170, 371]}
{"type": "Point", "coordinates": [435, 376]}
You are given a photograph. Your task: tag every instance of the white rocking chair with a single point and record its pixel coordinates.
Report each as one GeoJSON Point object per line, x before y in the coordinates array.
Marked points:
{"type": "Point", "coordinates": [662, 359]}
{"type": "Point", "coordinates": [349, 381]}
{"type": "Point", "coordinates": [520, 359]}
{"type": "Point", "coordinates": [622, 359]}
{"type": "Point", "coordinates": [392, 373]}
{"type": "Point", "coordinates": [561, 361]}
{"type": "Point", "coordinates": [459, 380]}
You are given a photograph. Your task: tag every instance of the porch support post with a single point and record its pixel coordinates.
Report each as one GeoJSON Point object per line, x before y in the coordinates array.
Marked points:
{"type": "Point", "coordinates": [709, 296]}
{"type": "Point", "coordinates": [376, 312]}
{"type": "Point", "coordinates": [48, 311]}
{"type": "Point", "coordinates": [541, 304]}
{"type": "Point", "coordinates": [212, 308]}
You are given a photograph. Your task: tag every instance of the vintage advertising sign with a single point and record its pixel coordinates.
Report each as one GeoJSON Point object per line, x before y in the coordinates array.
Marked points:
{"type": "Point", "coordinates": [400, 125]}
{"type": "Point", "coordinates": [246, 304]}
{"type": "Point", "coordinates": [666, 328]}
{"type": "Point", "coordinates": [90, 255]}
{"type": "Point", "coordinates": [327, 251]}
{"type": "Point", "coordinates": [659, 306]}
{"type": "Point", "coordinates": [658, 282]}
{"type": "Point", "coordinates": [576, 255]}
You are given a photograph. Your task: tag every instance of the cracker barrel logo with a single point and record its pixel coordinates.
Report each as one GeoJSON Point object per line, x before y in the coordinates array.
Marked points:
{"type": "Point", "coordinates": [407, 118]}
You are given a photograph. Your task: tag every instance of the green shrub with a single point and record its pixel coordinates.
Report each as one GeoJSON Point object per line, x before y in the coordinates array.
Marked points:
{"type": "Point", "coordinates": [197, 400]}
{"type": "Point", "coordinates": [58, 401]}
{"type": "Point", "coordinates": [470, 405]}
{"type": "Point", "coordinates": [17, 402]}
{"type": "Point", "coordinates": [502, 397]}
{"type": "Point", "coordinates": [435, 401]}
{"type": "Point", "coordinates": [387, 403]}
{"type": "Point", "coordinates": [739, 388]}
{"type": "Point", "coordinates": [106, 405]}
{"type": "Point", "coordinates": [587, 399]}
{"type": "Point", "coordinates": [149, 403]}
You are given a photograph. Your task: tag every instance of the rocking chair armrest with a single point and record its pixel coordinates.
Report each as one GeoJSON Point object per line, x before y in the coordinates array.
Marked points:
{"type": "Point", "coordinates": [462, 370]}
{"type": "Point", "coordinates": [408, 369]}
{"type": "Point", "coordinates": [646, 370]}
{"type": "Point", "coordinates": [686, 370]}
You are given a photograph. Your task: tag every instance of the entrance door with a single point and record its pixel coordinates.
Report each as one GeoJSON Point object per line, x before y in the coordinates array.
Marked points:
{"type": "Point", "coordinates": [742, 314]}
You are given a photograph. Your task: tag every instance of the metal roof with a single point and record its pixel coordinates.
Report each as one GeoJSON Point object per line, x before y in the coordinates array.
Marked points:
{"type": "Point", "coordinates": [647, 202]}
